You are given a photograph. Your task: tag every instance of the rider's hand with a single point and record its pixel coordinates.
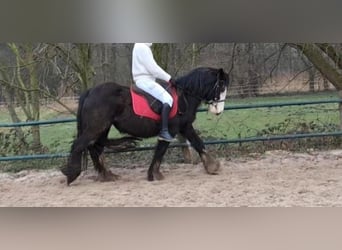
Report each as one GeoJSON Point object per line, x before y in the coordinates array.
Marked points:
{"type": "Point", "coordinates": [172, 81]}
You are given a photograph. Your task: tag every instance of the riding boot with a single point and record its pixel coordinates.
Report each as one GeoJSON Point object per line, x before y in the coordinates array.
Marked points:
{"type": "Point", "coordinates": [164, 134]}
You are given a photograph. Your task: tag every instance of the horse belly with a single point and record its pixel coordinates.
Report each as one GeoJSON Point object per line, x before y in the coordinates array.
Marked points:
{"type": "Point", "coordinates": [137, 126]}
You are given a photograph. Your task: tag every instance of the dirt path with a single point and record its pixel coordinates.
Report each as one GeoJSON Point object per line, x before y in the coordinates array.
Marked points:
{"type": "Point", "coordinates": [276, 178]}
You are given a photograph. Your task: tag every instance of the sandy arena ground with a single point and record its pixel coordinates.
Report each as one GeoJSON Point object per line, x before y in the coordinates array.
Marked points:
{"type": "Point", "coordinates": [273, 179]}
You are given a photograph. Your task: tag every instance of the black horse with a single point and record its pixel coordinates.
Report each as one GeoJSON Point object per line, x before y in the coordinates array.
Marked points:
{"type": "Point", "coordinates": [110, 104]}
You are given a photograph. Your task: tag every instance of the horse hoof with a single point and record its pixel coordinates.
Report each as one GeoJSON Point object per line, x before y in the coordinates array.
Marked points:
{"type": "Point", "coordinates": [108, 176]}
{"type": "Point", "coordinates": [150, 177]}
{"type": "Point", "coordinates": [210, 165]}
{"type": "Point", "coordinates": [155, 176]}
{"type": "Point", "coordinates": [70, 179]}
{"type": "Point", "coordinates": [72, 176]}
{"type": "Point", "coordinates": [213, 168]}
{"type": "Point", "coordinates": [158, 176]}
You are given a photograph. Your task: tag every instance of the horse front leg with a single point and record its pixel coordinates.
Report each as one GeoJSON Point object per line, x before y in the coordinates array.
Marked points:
{"type": "Point", "coordinates": [154, 169]}
{"type": "Point", "coordinates": [210, 164]}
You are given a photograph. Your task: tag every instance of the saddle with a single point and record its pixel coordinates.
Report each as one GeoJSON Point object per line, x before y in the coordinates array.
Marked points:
{"type": "Point", "coordinates": [145, 105]}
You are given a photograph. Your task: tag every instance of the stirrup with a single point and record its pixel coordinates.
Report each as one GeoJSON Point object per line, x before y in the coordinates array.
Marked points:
{"type": "Point", "coordinates": [165, 136]}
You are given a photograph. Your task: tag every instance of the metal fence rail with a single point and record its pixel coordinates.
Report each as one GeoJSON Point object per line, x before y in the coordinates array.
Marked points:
{"type": "Point", "coordinates": [36, 123]}
{"type": "Point", "coordinates": [174, 145]}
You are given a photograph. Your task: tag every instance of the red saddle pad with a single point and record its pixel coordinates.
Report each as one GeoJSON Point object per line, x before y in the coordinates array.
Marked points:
{"type": "Point", "coordinates": [142, 108]}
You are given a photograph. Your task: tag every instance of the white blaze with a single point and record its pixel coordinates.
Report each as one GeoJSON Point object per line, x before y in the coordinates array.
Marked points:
{"type": "Point", "coordinates": [218, 107]}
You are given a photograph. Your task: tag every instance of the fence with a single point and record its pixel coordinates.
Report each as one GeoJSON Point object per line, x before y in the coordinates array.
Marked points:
{"type": "Point", "coordinates": [210, 142]}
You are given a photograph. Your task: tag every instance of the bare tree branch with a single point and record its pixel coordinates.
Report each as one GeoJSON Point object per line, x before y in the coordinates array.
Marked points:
{"type": "Point", "coordinates": [300, 72]}
{"type": "Point", "coordinates": [278, 59]}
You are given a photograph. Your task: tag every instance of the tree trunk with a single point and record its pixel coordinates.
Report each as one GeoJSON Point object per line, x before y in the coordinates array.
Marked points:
{"type": "Point", "coordinates": [332, 53]}
{"type": "Point", "coordinates": [85, 70]}
{"type": "Point", "coordinates": [340, 108]}
{"type": "Point", "coordinates": [327, 60]}
{"type": "Point", "coordinates": [27, 88]}
{"type": "Point", "coordinates": [8, 95]}
{"type": "Point", "coordinates": [35, 97]}
{"type": "Point", "coordinates": [311, 79]}
{"type": "Point", "coordinates": [252, 75]}
{"type": "Point", "coordinates": [193, 55]}
{"type": "Point", "coordinates": [325, 84]}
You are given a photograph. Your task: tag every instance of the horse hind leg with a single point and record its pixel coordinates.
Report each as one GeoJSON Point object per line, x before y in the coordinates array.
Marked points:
{"type": "Point", "coordinates": [97, 156]}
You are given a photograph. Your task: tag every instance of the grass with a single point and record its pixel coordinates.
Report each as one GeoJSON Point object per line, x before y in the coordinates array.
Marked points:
{"type": "Point", "coordinates": [253, 122]}
{"type": "Point", "coordinates": [232, 124]}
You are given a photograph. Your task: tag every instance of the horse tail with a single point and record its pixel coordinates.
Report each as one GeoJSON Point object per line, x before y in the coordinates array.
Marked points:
{"type": "Point", "coordinates": [79, 112]}
{"type": "Point", "coordinates": [81, 101]}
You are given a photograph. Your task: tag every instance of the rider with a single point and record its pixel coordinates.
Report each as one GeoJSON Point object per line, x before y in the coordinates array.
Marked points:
{"type": "Point", "coordinates": [145, 70]}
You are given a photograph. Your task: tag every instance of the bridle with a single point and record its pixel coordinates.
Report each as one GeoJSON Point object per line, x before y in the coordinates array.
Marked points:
{"type": "Point", "coordinates": [217, 90]}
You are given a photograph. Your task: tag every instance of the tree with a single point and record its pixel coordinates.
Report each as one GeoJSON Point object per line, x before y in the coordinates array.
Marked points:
{"type": "Point", "coordinates": [25, 80]}
{"type": "Point", "coordinates": [24, 85]}
{"type": "Point", "coordinates": [161, 54]}
{"type": "Point", "coordinates": [78, 56]}
{"type": "Point", "coordinates": [327, 59]}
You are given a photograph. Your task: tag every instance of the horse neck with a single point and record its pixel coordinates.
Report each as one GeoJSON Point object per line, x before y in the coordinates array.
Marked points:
{"type": "Point", "coordinates": [195, 88]}
{"type": "Point", "coordinates": [192, 102]}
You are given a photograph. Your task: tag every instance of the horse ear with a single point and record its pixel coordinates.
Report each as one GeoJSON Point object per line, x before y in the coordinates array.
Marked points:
{"type": "Point", "coordinates": [220, 72]}
{"type": "Point", "coordinates": [223, 75]}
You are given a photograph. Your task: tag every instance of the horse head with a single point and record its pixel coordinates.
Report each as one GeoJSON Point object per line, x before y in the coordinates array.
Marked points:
{"type": "Point", "coordinates": [216, 105]}
{"type": "Point", "coordinates": [208, 85]}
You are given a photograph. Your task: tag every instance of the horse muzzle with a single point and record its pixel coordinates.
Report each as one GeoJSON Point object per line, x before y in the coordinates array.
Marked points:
{"type": "Point", "coordinates": [216, 107]}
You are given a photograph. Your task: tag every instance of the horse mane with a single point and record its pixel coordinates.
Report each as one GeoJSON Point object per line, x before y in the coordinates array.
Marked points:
{"type": "Point", "coordinates": [198, 82]}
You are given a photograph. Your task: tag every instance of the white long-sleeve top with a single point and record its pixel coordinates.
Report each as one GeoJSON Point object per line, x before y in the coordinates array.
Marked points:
{"type": "Point", "coordinates": [144, 67]}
